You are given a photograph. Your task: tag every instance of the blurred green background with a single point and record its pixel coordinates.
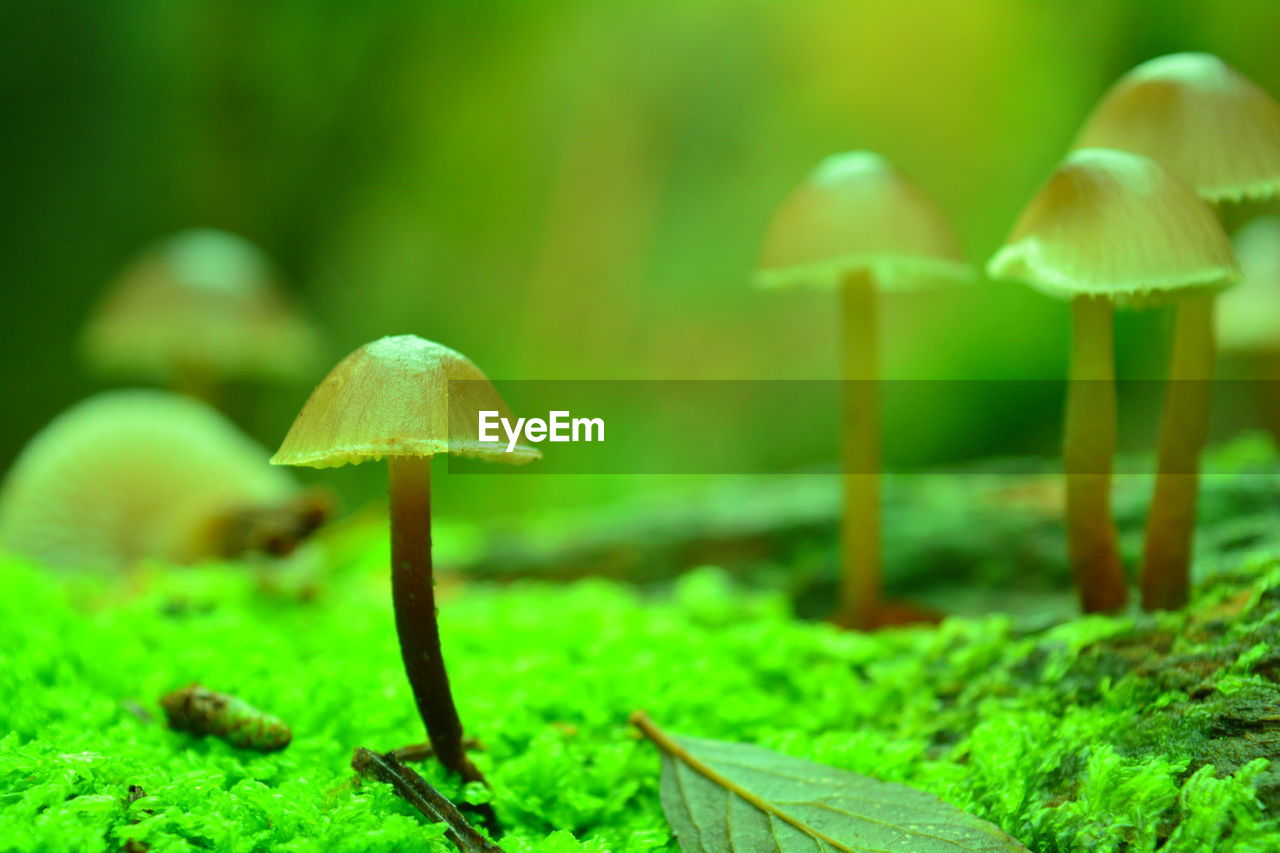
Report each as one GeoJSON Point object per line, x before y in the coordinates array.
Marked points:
{"type": "Point", "coordinates": [559, 190]}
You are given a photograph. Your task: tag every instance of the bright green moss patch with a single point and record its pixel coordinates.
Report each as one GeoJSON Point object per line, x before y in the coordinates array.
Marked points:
{"type": "Point", "coordinates": [1093, 735]}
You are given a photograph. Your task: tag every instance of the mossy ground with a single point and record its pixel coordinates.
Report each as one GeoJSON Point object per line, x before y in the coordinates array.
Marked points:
{"type": "Point", "coordinates": [1126, 733]}
{"type": "Point", "coordinates": [976, 539]}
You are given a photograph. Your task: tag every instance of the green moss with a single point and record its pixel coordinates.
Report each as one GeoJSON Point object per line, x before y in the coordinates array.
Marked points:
{"type": "Point", "coordinates": [1092, 735]}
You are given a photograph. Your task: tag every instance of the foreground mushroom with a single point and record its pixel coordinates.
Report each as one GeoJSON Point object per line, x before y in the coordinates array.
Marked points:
{"type": "Point", "coordinates": [132, 475]}
{"type": "Point", "coordinates": [406, 399]}
{"type": "Point", "coordinates": [1107, 227]}
{"type": "Point", "coordinates": [196, 310]}
{"type": "Point", "coordinates": [859, 226]}
{"type": "Point", "coordinates": [1220, 133]}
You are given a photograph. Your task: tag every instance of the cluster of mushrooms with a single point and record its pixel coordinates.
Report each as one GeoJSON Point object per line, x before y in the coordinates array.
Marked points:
{"type": "Point", "coordinates": [1126, 219]}
{"type": "Point", "coordinates": [1129, 218]}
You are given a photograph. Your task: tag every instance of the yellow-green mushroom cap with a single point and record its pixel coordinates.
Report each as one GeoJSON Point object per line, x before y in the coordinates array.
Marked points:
{"type": "Point", "coordinates": [1116, 225]}
{"type": "Point", "coordinates": [397, 396]}
{"type": "Point", "coordinates": [1246, 314]}
{"type": "Point", "coordinates": [1198, 117]}
{"type": "Point", "coordinates": [203, 302]}
{"type": "Point", "coordinates": [853, 213]}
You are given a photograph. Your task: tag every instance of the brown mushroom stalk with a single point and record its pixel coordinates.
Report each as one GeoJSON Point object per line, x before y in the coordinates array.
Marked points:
{"type": "Point", "coordinates": [860, 597]}
{"type": "Point", "coordinates": [413, 595]}
{"type": "Point", "coordinates": [1088, 449]}
{"type": "Point", "coordinates": [1166, 557]}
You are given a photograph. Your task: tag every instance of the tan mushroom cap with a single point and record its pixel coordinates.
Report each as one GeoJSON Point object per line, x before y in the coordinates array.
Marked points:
{"type": "Point", "coordinates": [1114, 224]}
{"type": "Point", "coordinates": [1246, 314]}
{"type": "Point", "coordinates": [1198, 117]}
{"type": "Point", "coordinates": [202, 301]}
{"type": "Point", "coordinates": [856, 212]}
{"type": "Point", "coordinates": [134, 474]}
{"type": "Point", "coordinates": [397, 396]}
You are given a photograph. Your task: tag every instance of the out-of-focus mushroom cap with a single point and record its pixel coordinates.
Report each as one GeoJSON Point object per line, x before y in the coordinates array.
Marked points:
{"type": "Point", "coordinates": [1199, 118]}
{"type": "Point", "coordinates": [1114, 224]}
{"type": "Point", "coordinates": [397, 396]}
{"type": "Point", "coordinates": [202, 301]}
{"type": "Point", "coordinates": [855, 212]}
{"type": "Point", "coordinates": [1247, 313]}
{"type": "Point", "coordinates": [134, 474]}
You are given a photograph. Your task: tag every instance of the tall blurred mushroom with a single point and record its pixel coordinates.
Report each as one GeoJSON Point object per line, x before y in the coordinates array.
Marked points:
{"type": "Point", "coordinates": [858, 226]}
{"type": "Point", "coordinates": [198, 309]}
{"type": "Point", "coordinates": [1108, 227]}
{"type": "Point", "coordinates": [141, 474]}
{"type": "Point", "coordinates": [1220, 133]}
{"type": "Point", "coordinates": [406, 399]}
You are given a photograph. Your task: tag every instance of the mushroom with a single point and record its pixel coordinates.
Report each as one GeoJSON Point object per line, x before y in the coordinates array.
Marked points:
{"type": "Point", "coordinates": [406, 399]}
{"type": "Point", "coordinates": [1220, 133]}
{"type": "Point", "coordinates": [1108, 227]}
{"type": "Point", "coordinates": [146, 474]}
{"type": "Point", "coordinates": [1198, 117]}
{"type": "Point", "coordinates": [195, 310]}
{"type": "Point", "coordinates": [857, 225]}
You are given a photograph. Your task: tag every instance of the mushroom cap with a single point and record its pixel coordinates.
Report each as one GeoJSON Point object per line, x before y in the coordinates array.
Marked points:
{"type": "Point", "coordinates": [1246, 314]}
{"type": "Point", "coordinates": [397, 396]}
{"type": "Point", "coordinates": [201, 301]}
{"type": "Point", "coordinates": [1114, 224]}
{"type": "Point", "coordinates": [132, 474]}
{"type": "Point", "coordinates": [855, 212]}
{"type": "Point", "coordinates": [1199, 118]}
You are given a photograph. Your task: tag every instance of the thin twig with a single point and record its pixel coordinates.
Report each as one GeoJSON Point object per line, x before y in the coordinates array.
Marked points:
{"type": "Point", "coordinates": [418, 793]}
{"type": "Point", "coordinates": [423, 751]}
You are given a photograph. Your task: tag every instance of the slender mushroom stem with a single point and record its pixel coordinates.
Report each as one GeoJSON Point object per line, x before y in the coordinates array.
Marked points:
{"type": "Point", "coordinates": [413, 591]}
{"type": "Point", "coordinates": [860, 578]}
{"type": "Point", "coordinates": [1088, 448]}
{"type": "Point", "coordinates": [1166, 556]}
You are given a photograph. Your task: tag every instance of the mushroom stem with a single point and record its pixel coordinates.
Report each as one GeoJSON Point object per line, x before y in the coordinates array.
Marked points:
{"type": "Point", "coordinates": [860, 581]}
{"type": "Point", "coordinates": [413, 591]}
{"type": "Point", "coordinates": [1088, 448]}
{"type": "Point", "coordinates": [1166, 556]}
